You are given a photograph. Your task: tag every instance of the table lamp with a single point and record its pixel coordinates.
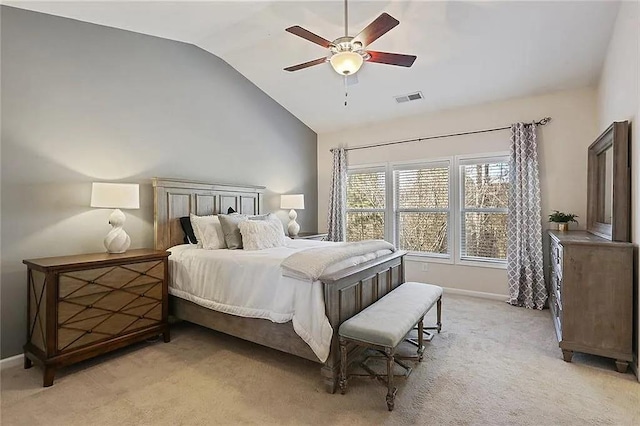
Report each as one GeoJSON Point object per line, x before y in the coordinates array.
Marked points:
{"type": "Point", "coordinates": [117, 196]}
{"type": "Point", "coordinates": [292, 201]}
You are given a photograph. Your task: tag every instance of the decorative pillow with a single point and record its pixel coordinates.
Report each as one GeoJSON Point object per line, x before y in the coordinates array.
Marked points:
{"type": "Point", "coordinates": [208, 231]}
{"type": "Point", "coordinates": [230, 210]}
{"type": "Point", "coordinates": [261, 234]}
{"type": "Point", "coordinates": [230, 229]}
{"type": "Point", "coordinates": [271, 218]}
{"type": "Point", "coordinates": [189, 236]}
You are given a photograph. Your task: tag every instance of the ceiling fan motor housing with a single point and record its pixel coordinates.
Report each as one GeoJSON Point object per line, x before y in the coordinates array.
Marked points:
{"type": "Point", "coordinates": [346, 44]}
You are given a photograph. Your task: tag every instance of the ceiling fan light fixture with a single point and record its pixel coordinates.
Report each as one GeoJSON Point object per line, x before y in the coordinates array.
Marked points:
{"type": "Point", "coordinates": [346, 63]}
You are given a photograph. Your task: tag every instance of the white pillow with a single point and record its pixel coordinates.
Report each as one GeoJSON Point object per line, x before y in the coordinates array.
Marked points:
{"type": "Point", "coordinates": [273, 218]}
{"type": "Point", "coordinates": [261, 234]}
{"type": "Point", "coordinates": [208, 231]}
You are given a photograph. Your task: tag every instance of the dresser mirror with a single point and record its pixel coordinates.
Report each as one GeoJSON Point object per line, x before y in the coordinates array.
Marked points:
{"type": "Point", "coordinates": [609, 189]}
{"type": "Point", "coordinates": [605, 168]}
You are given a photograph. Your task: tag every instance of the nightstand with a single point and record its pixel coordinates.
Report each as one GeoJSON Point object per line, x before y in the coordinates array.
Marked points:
{"type": "Point", "coordinates": [82, 306]}
{"type": "Point", "coordinates": [310, 236]}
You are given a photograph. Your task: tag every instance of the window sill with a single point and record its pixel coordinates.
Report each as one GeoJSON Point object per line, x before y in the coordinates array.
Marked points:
{"type": "Point", "coordinates": [426, 258]}
{"type": "Point", "coordinates": [414, 256]}
{"type": "Point", "coordinates": [482, 264]}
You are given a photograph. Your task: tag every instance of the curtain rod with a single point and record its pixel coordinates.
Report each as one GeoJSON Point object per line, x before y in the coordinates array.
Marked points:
{"type": "Point", "coordinates": [541, 122]}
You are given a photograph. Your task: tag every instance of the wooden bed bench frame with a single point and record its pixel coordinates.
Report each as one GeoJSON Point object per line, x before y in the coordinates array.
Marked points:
{"type": "Point", "coordinates": [346, 292]}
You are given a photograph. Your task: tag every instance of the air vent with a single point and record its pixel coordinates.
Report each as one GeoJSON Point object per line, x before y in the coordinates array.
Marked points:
{"type": "Point", "coordinates": [410, 97]}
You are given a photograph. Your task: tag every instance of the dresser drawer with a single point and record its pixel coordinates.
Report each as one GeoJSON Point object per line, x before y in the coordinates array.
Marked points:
{"type": "Point", "coordinates": [556, 312]}
{"type": "Point", "coordinates": [556, 287]}
{"type": "Point", "coordinates": [556, 258]}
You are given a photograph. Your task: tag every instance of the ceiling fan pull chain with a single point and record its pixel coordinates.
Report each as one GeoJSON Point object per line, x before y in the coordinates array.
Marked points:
{"type": "Point", "coordinates": [346, 90]}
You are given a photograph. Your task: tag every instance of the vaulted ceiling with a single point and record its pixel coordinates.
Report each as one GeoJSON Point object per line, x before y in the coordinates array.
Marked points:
{"type": "Point", "coordinates": [468, 52]}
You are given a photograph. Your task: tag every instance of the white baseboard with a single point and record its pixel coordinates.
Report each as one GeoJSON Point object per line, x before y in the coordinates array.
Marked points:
{"type": "Point", "coordinates": [480, 294]}
{"type": "Point", "coordinates": [12, 361]}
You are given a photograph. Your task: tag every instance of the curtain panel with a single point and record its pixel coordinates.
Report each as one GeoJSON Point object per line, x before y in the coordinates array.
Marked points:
{"type": "Point", "coordinates": [338, 197]}
{"type": "Point", "coordinates": [525, 264]}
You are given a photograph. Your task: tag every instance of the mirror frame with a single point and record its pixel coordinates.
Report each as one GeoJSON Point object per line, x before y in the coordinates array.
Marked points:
{"type": "Point", "coordinates": [616, 136]}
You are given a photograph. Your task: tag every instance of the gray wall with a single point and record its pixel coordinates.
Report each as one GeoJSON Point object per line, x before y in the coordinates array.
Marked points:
{"type": "Point", "coordinates": [83, 103]}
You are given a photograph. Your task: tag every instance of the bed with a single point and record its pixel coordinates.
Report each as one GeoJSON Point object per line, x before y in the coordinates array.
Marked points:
{"type": "Point", "coordinates": [346, 292]}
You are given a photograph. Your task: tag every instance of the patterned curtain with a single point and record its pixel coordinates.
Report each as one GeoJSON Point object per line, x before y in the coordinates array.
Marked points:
{"type": "Point", "coordinates": [338, 196]}
{"type": "Point", "coordinates": [525, 265]}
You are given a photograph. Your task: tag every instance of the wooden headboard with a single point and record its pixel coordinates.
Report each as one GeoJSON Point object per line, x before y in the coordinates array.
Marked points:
{"type": "Point", "coordinates": [174, 198]}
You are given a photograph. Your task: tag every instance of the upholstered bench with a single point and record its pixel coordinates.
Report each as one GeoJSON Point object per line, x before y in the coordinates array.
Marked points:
{"type": "Point", "coordinates": [384, 324]}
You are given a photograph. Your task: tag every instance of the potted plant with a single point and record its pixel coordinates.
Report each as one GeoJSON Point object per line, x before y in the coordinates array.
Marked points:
{"type": "Point", "coordinates": [562, 219]}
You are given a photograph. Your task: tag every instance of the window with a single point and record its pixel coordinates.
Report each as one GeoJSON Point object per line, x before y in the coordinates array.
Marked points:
{"type": "Point", "coordinates": [454, 208]}
{"type": "Point", "coordinates": [422, 208]}
{"type": "Point", "coordinates": [484, 186]}
{"type": "Point", "coordinates": [366, 204]}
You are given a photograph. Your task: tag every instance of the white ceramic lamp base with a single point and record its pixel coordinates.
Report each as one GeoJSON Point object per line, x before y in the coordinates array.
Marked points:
{"type": "Point", "coordinates": [117, 240]}
{"type": "Point", "coordinates": [293, 226]}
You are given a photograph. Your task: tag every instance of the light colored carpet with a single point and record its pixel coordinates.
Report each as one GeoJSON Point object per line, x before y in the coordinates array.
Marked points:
{"type": "Point", "coordinates": [493, 364]}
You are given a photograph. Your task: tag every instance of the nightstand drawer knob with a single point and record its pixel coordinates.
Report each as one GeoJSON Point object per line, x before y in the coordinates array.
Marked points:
{"type": "Point", "coordinates": [142, 295]}
{"type": "Point", "coordinates": [141, 317]}
{"type": "Point", "coordinates": [89, 306]}
{"type": "Point", "coordinates": [89, 331]}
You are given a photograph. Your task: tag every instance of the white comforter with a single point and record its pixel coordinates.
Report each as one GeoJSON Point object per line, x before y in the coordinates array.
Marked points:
{"type": "Point", "coordinates": [251, 284]}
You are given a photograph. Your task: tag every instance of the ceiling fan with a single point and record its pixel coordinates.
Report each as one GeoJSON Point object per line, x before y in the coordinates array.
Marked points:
{"type": "Point", "coordinates": [347, 54]}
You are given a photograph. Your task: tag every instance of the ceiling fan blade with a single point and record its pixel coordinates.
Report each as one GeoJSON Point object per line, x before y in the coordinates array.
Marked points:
{"type": "Point", "coordinates": [376, 29]}
{"type": "Point", "coordinates": [308, 35]}
{"type": "Point", "coordinates": [391, 58]}
{"type": "Point", "coordinates": [306, 64]}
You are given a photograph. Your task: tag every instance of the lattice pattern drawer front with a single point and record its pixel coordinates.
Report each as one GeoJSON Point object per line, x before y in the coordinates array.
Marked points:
{"type": "Point", "coordinates": [98, 304]}
{"type": "Point", "coordinates": [556, 287]}
{"type": "Point", "coordinates": [556, 311]}
{"type": "Point", "coordinates": [556, 256]}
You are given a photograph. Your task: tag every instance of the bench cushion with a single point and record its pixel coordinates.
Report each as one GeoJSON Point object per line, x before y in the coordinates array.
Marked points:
{"type": "Point", "coordinates": [387, 321]}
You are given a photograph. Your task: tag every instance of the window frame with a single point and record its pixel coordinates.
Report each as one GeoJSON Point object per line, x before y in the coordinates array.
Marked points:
{"type": "Point", "coordinates": [465, 160]}
{"type": "Point", "coordinates": [456, 205]}
{"type": "Point", "coordinates": [395, 210]}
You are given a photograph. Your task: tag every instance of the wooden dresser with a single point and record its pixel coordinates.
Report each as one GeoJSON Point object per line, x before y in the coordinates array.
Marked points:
{"type": "Point", "coordinates": [591, 295]}
{"type": "Point", "coordinates": [82, 306]}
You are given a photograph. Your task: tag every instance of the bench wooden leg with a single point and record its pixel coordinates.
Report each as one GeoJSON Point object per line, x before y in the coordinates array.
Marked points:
{"type": "Point", "coordinates": [343, 366]}
{"type": "Point", "coordinates": [420, 339]}
{"type": "Point", "coordinates": [391, 390]}
{"type": "Point", "coordinates": [439, 307]}
{"type": "Point", "coordinates": [427, 335]}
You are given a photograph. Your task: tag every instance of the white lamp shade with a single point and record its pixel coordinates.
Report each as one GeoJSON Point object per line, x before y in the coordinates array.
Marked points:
{"type": "Point", "coordinates": [346, 63]}
{"type": "Point", "coordinates": [292, 201]}
{"type": "Point", "coordinates": [115, 195]}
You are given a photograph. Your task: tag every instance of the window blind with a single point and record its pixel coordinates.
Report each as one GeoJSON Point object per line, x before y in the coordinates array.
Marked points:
{"type": "Point", "coordinates": [422, 208]}
{"type": "Point", "coordinates": [366, 203]}
{"type": "Point", "coordinates": [483, 213]}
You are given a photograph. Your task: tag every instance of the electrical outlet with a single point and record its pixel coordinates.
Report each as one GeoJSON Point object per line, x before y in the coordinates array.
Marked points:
{"type": "Point", "coordinates": [425, 267]}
